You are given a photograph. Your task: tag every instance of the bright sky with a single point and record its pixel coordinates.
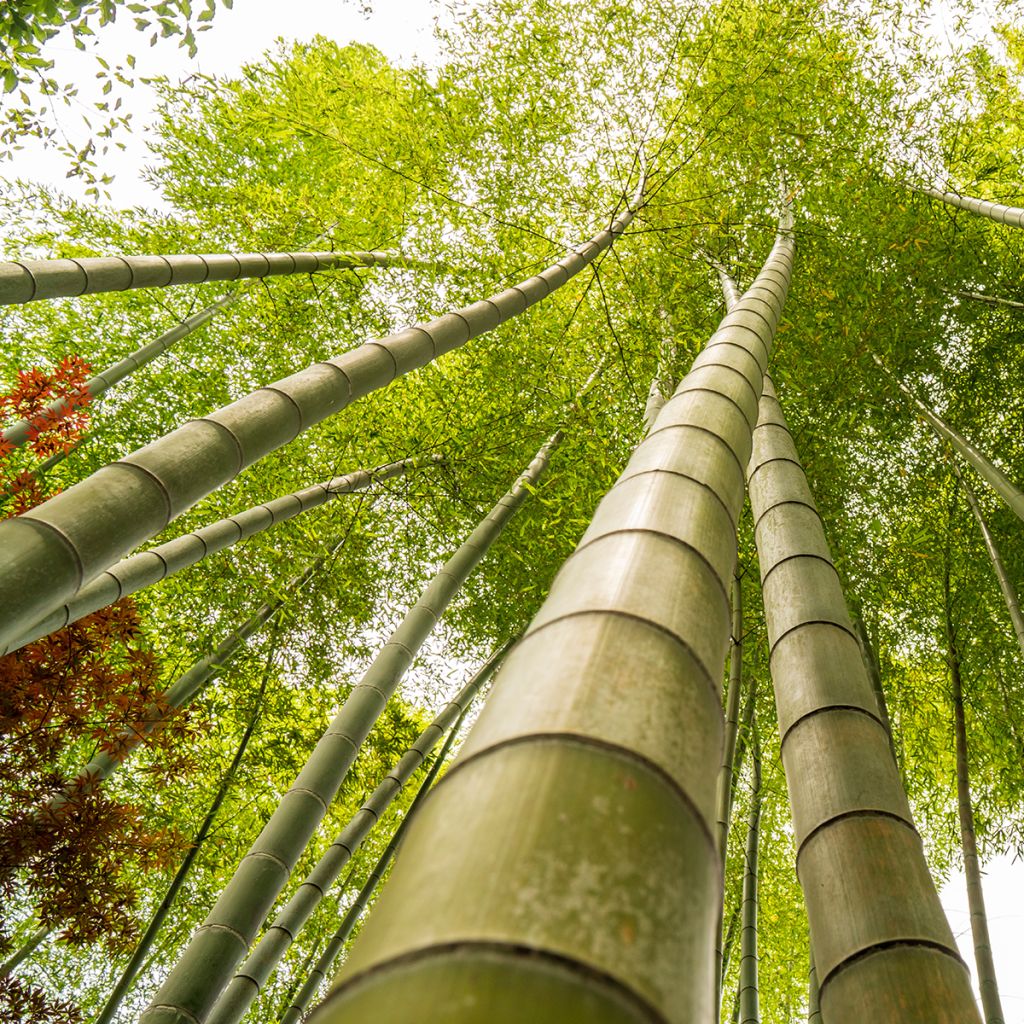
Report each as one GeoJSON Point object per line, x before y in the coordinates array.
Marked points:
{"type": "Point", "coordinates": [402, 30]}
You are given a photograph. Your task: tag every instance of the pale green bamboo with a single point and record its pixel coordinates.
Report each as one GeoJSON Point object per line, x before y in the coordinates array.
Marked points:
{"type": "Point", "coordinates": [813, 1003]}
{"type": "Point", "coordinates": [206, 966]}
{"type": "Point", "coordinates": [250, 978]}
{"type": "Point", "coordinates": [50, 552]}
{"type": "Point", "coordinates": [566, 866]}
{"type": "Point", "coordinates": [148, 567]}
{"type": "Point", "coordinates": [1002, 214]}
{"type": "Point", "coordinates": [749, 1007]}
{"type": "Point", "coordinates": [992, 300]}
{"type": "Point", "coordinates": [1003, 578]}
{"type": "Point", "coordinates": [145, 944]}
{"type": "Point", "coordinates": [25, 950]}
{"type": "Point", "coordinates": [988, 985]}
{"type": "Point", "coordinates": [995, 477]}
{"type": "Point", "coordinates": [297, 1006]}
{"type": "Point", "coordinates": [867, 650]}
{"type": "Point", "coordinates": [727, 946]}
{"type": "Point", "coordinates": [661, 382]}
{"type": "Point", "coordinates": [889, 955]}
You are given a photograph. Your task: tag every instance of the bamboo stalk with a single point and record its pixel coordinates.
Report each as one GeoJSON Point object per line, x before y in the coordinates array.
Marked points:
{"type": "Point", "coordinates": [1002, 214]}
{"type": "Point", "coordinates": [250, 978]}
{"type": "Point", "coordinates": [566, 867]}
{"type": "Point", "coordinates": [158, 563]}
{"type": "Point", "coordinates": [992, 300]}
{"type": "Point", "coordinates": [813, 1002]}
{"type": "Point", "coordinates": [867, 650]}
{"type": "Point", "coordinates": [50, 552]}
{"type": "Point", "coordinates": [25, 950]}
{"type": "Point", "coordinates": [208, 962]}
{"type": "Point", "coordinates": [749, 1007]}
{"type": "Point", "coordinates": [889, 955]}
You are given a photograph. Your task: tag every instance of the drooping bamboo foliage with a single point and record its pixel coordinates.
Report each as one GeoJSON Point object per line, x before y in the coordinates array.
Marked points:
{"type": "Point", "coordinates": [250, 978]}
{"type": "Point", "coordinates": [1002, 214]}
{"type": "Point", "coordinates": [32, 280]}
{"type": "Point", "coordinates": [145, 943]}
{"type": "Point", "coordinates": [50, 552]}
{"type": "Point", "coordinates": [300, 1002]}
{"type": "Point", "coordinates": [749, 1006]}
{"type": "Point", "coordinates": [148, 567]}
{"type": "Point", "coordinates": [566, 867]}
{"type": "Point", "coordinates": [998, 567]}
{"type": "Point", "coordinates": [882, 945]}
{"type": "Point", "coordinates": [206, 966]}
{"type": "Point", "coordinates": [987, 983]}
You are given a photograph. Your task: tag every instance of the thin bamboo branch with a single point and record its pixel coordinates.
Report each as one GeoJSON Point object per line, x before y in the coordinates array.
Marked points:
{"type": "Point", "coordinates": [749, 1007]}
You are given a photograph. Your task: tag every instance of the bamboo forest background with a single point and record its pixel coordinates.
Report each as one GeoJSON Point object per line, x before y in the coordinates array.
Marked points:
{"type": "Point", "coordinates": [524, 140]}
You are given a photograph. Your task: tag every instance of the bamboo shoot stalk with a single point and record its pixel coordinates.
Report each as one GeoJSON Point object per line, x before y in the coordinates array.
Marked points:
{"type": "Point", "coordinates": [1002, 214]}
{"type": "Point", "coordinates": [998, 566]}
{"type": "Point", "coordinates": [158, 563]}
{"type": "Point", "coordinates": [987, 983]}
{"type": "Point", "coordinates": [890, 955]}
{"type": "Point", "coordinates": [25, 950]}
{"type": "Point", "coordinates": [250, 978]}
{"type": "Point", "coordinates": [995, 477]}
{"type": "Point", "coordinates": [195, 983]}
{"type": "Point", "coordinates": [50, 552]}
{"type": "Point", "coordinates": [145, 944]}
{"type": "Point", "coordinates": [307, 993]}
{"type": "Point", "coordinates": [750, 1011]}
{"type": "Point", "coordinates": [566, 866]}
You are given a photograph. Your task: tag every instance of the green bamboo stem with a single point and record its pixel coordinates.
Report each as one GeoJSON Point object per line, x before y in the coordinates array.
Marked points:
{"type": "Point", "coordinates": [1011, 215]}
{"type": "Point", "coordinates": [195, 983]}
{"type": "Point", "coordinates": [128, 976]}
{"type": "Point", "coordinates": [25, 950]}
{"type": "Point", "coordinates": [987, 983]}
{"type": "Point", "coordinates": [298, 1005]}
{"type": "Point", "coordinates": [996, 479]}
{"type": "Point", "coordinates": [727, 945]}
{"type": "Point", "coordinates": [992, 300]}
{"type": "Point", "coordinates": [53, 550]}
{"type": "Point", "coordinates": [813, 1002]}
{"type": "Point", "coordinates": [867, 650]}
{"type": "Point", "coordinates": [889, 955]}
{"type": "Point", "coordinates": [143, 570]}
{"type": "Point", "coordinates": [749, 1008]}
{"type": "Point", "coordinates": [998, 567]}
{"type": "Point", "coordinates": [661, 382]}
{"type": "Point", "coordinates": [566, 867]}
{"type": "Point", "coordinates": [250, 978]}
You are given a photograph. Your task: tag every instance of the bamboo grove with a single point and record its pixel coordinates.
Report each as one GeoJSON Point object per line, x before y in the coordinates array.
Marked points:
{"type": "Point", "coordinates": [537, 536]}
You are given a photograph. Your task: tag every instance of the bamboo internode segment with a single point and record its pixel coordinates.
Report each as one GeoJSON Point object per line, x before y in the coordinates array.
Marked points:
{"type": "Point", "coordinates": [193, 986]}
{"type": "Point", "coordinates": [264, 958]}
{"type": "Point", "coordinates": [32, 280]}
{"type": "Point", "coordinates": [49, 553]}
{"type": "Point", "coordinates": [873, 909]}
{"type": "Point", "coordinates": [1011, 215]}
{"type": "Point", "coordinates": [131, 575]}
{"type": "Point", "coordinates": [566, 867]}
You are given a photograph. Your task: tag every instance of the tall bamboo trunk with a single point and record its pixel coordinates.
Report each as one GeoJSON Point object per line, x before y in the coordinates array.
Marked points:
{"type": "Point", "coordinates": [1011, 215]}
{"type": "Point", "coordinates": [995, 477]}
{"type": "Point", "coordinates": [194, 984]}
{"type": "Point", "coordinates": [50, 552]}
{"type": "Point", "coordinates": [25, 950]}
{"type": "Point", "coordinates": [987, 984]}
{"type": "Point", "coordinates": [566, 867]}
{"type": "Point", "coordinates": [298, 1005]}
{"type": "Point", "coordinates": [250, 978]}
{"type": "Point", "coordinates": [749, 1007]}
{"type": "Point", "coordinates": [882, 945]}
{"type": "Point", "coordinates": [133, 574]}
{"type": "Point", "coordinates": [145, 944]}
{"type": "Point", "coordinates": [998, 567]}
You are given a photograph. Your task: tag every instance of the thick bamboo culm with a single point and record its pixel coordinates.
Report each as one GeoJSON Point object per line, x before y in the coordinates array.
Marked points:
{"type": "Point", "coordinates": [566, 866]}
{"type": "Point", "coordinates": [250, 978]}
{"type": "Point", "coordinates": [132, 574]}
{"type": "Point", "coordinates": [889, 954]}
{"type": "Point", "coordinates": [1002, 214]}
{"type": "Point", "coordinates": [208, 962]}
{"type": "Point", "coordinates": [50, 552]}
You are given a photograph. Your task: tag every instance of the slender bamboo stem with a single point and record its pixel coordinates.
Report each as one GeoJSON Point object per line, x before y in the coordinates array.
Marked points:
{"type": "Point", "coordinates": [992, 300]}
{"type": "Point", "coordinates": [987, 983]}
{"type": "Point", "coordinates": [129, 974]}
{"type": "Point", "coordinates": [566, 866]}
{"type": "Point", "coordinates": [661, 383]}
{"type": "Point", "coordinates": [750, 1012]}
{"type": "Point", "coordinates": [133, 574]}
{"type": "Point", "coordinates": [195, 983]}
{"type": "Point", "coordinates": [1011, 215]}
{"type": "Point", "coordinates": [25, 950]}
{"type": "Point", "coordinates": [337, 942]}
{"type": "Point", "coordinates": [867, 650]}
{"type": "Point", "coordinates": [250, 978]}
{"type": "Point", "coordinates": [813, 1002]}
{"type": "Point", "coordinates": [728, 943]}
{"type": "Point", "coordinates": [56, 548]}
{"type": "Point", "coordinates": [890, 955]}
